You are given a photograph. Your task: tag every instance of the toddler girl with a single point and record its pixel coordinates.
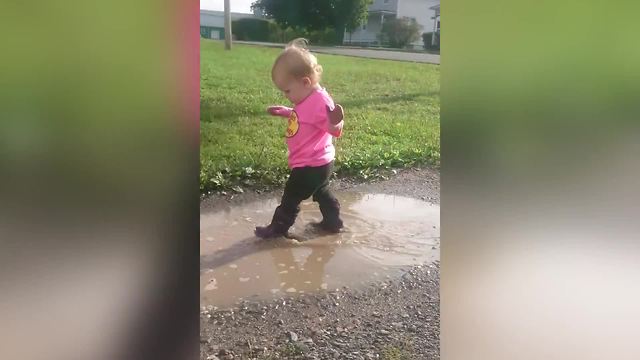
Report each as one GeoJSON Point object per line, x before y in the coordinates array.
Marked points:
{"type": "Point", "coordinates": [313, 122]}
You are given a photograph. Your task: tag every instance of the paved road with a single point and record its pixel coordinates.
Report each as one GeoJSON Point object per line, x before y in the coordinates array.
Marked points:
{"type": "Point", "coordinates": [366, 53]}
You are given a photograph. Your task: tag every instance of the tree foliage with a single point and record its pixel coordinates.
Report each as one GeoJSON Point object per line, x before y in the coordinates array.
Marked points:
{"type": "Point", "coordinates": [250, 29]}
{"type": "Point", "coordinates": [317, 15]}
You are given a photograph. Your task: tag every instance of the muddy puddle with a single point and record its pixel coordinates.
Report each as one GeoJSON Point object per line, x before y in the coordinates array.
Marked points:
{"type": "Point", "coordinates": [383, 234]}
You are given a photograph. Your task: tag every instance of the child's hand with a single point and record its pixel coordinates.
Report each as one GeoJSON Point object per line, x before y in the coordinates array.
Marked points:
{"type": "Point", "coordinates": [336, 115]}
{"type": "Point", "coordinates": [279, 110]}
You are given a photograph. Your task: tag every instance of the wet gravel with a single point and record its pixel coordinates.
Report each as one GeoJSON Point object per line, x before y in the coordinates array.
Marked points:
{"type": "Point", "coordinates": [394, 319]}
{"type": "Point", "coordinates": [418, 183]}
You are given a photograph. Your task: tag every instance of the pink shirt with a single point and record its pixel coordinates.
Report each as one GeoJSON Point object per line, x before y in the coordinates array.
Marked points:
{"type": "Point", "coordinates": [309, 132]}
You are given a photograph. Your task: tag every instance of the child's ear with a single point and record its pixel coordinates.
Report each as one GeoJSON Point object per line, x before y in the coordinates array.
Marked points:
{"type": "Point", "coordinates": [306, 81]}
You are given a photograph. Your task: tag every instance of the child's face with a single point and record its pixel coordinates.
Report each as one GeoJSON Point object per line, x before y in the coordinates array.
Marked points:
{"type": "Point", "coordinates": [293, 89]}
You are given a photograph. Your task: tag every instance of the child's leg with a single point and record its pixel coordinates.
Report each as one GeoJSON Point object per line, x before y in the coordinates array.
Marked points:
{"type": "Point", "coordinates": [300, 185]}
{"type": "Point", "coordinates": [330, 209]}
{"type": "Point", "coordinates": [329, 205]}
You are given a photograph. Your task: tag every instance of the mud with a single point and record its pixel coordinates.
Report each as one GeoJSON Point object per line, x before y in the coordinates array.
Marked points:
{"type": "Point", "coordinates": [383, 234]}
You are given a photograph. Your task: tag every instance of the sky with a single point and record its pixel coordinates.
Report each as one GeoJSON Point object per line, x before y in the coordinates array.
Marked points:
{"type": "Point", "coordinates": [241, 6]}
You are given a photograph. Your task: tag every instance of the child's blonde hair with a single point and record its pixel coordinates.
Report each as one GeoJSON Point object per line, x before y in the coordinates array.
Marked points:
{"type": "Point", "coordinates": [298, 61]}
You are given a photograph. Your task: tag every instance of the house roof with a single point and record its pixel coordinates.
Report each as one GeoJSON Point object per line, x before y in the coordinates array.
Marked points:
{"type": "Point", "coordinates": [216, 18]}
{"type": "Point", "coordinates": [382, 12]}
{"type": "Point", "coordinates": [220, 12]}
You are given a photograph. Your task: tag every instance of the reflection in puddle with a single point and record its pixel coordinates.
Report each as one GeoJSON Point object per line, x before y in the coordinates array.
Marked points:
{"type": "Point", "coordinates": [383, 233]}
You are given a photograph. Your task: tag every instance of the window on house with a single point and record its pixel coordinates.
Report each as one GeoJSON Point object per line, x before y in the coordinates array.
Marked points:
{"type": "Point", "coordinates": [364, 26]}
{"type": "Point", "coordinates": [386, 1]}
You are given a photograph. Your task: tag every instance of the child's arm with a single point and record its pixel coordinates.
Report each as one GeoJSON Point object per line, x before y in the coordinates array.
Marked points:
{"type": "Point", "coordinates": [336, 120]}
{"type": "Point", "coordinates": [279, 110]}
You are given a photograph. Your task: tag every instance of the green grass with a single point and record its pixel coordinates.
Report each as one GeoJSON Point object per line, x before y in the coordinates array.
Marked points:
{"type": "Point", "coordinates": [400, 350]}
{"type": "Point", "coordinates": [395, 353]}
{"type": "Point", "coordinates": [286, 351]}
{"type": "Point", "coordinates": [392, 116]}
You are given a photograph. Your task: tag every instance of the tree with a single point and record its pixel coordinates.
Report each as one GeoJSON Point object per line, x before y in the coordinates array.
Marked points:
{"type": "Point", "coordinates": [252, 29]}
{"type": "Point", "coordinates": [400, 32]}
{"type": "Point", "coordinates": [313, 15]}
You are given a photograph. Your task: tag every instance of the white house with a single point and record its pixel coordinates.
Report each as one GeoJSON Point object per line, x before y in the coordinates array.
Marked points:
{"type": "Point", "coordinates": [212, 23]}
{"type": "Point", "coordinates": [426, 13]}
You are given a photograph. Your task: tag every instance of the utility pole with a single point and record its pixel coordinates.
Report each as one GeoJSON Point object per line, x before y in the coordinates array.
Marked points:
{"type": "Point", "coordinates": [436, 11]}
{"type": "Point", "coordinates": [227, 25]}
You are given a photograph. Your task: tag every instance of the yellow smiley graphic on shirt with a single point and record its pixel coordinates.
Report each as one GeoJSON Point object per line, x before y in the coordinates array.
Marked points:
{"type": "Point", "coordinates": [293, 126]}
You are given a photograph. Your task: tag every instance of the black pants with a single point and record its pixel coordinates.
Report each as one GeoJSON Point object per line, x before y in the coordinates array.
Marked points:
{"type": "Point", "coordinates": [303, 183]}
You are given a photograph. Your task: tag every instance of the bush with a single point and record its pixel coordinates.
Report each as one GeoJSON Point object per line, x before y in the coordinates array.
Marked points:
{"type": "Point", "coordinates": [280, 35]}
{"type": "Point", "coordinates": [251, 29]}
{"type": "Point", "coordinates": [293, 33]}
{"type": "Point", "coordinates": [426, 39]}
{"type": "Point", "coordinates": [323, 37]}
{"type": "Point", "coordinates": [400, 32]}
{"type": "Point", "coordinates": [276, 34]}
{"type": "Point", "coordinates": [318, 37]}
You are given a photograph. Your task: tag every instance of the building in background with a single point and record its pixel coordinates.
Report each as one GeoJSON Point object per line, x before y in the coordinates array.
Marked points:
{"type": "Point", "coordinates": [212, 23]}
{"type": "Point", "coordinates": [426, 13]}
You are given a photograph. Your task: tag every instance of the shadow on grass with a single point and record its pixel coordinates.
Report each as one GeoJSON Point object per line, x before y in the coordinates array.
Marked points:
{"type": "Point", "coordinates": [388, 99]}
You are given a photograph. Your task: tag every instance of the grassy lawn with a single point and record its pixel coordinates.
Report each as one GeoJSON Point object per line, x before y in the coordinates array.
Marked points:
{"type": "Point", "coordinates": [392, 116]}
